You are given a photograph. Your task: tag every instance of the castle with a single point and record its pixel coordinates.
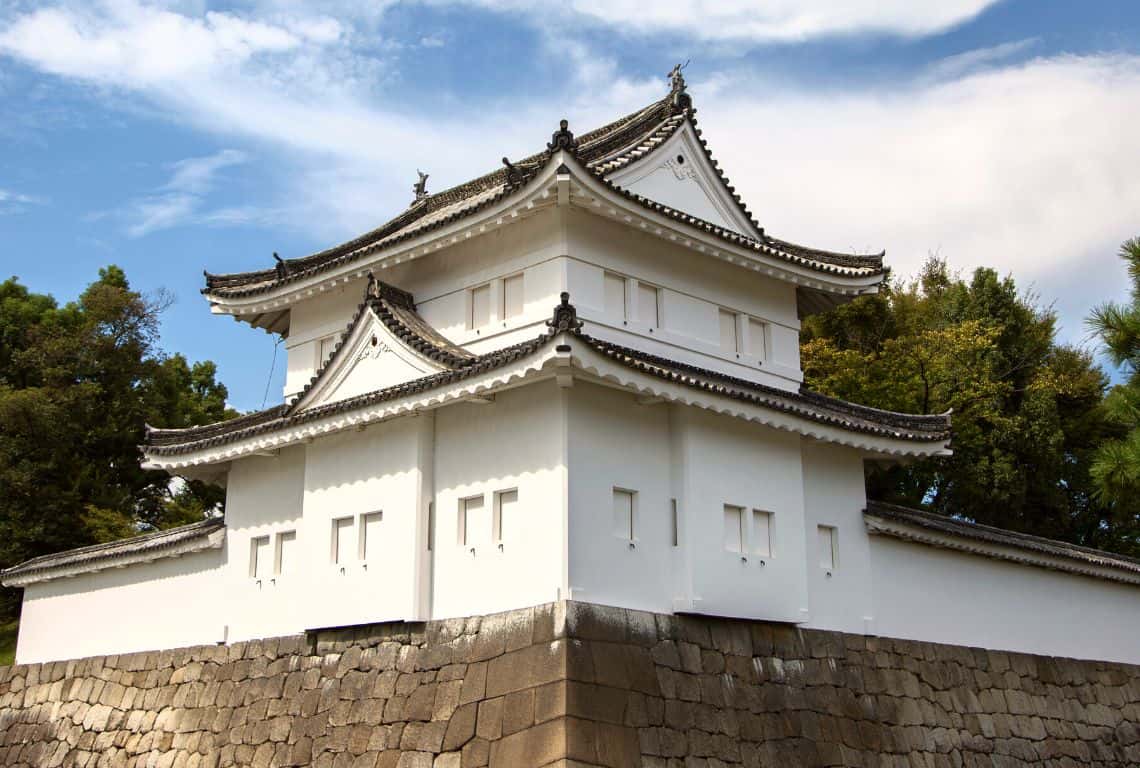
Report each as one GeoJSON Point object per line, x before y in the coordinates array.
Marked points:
{"type": "Point", "coordinates": [574, 378]}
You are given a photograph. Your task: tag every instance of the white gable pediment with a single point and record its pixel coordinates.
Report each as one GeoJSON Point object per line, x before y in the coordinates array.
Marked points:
{"type": "Point", "coordinates": [371, 358]}
{"type": "Point", "coordinates": [678, 174]}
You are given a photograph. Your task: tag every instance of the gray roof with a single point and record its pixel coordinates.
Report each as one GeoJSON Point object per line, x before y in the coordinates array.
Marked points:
{"type": "Point", "coordinates": [599, 152]}
{"type": "Point", "coordinates": [941, 524]}
{"type": "Point", "coordinates": [413, 330]}
{"type": "Point", "coordinates": [148, 546]}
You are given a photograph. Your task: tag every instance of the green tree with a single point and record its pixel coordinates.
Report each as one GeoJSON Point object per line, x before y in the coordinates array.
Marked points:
{"type": "Point", "coordinates": [1116, 465]}
{"type": "Point", "coordinates": [1026, 410]}
{"type": "Point", "coordinates": [78, 383]}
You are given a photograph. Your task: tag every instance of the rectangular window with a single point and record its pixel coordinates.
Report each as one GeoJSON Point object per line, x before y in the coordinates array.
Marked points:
{"type": "Point", "coordinates": [260, 560]}
{"type": "Point", "coordinates": [648, 309]}
{"type": "Point", "coordinates": [506, 507]}
{"type": "Point", "coordinates": [623, 514]}
{"type": "Point", "coordinates": [828, 539]}
{"type": "Point", "coordinates": [756, 341]}
{"type": "Point", "coordinates": [480, 306]}
{"type": "Point", "coordinates": [342, 541]}
{"type": "Point", "coordinates": [513, 296]}
{"type": "Point", "coordinates": [733, 528]}
{"type": "Point", "coordinates": [615, 295]}
{"type": "Point", "coordinates": [431, 526]}
{"type": "Point", "coordinates": [728, 339]}
{"type": "Point", "coordinates": [673, 515]}
{"type": "Point", "coordinates": [325, 349]}
{"type": "Point", "coordinates": [370, 534]}
{"type": "Point", "coordinates": [473, 524]}
{"type": "Point", "coordinates": [286, 553]}
{"type": "Point", "coordinates": [761, 532]}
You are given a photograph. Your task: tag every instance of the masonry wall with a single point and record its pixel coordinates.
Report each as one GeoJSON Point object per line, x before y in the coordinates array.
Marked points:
{"type": "Point", "coordinates": [571, 685]}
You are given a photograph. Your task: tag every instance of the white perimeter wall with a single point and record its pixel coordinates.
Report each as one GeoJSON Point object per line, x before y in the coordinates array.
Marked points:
{"type": "Point", "coordinates": [926, 593]}
{"type": "Point", "coordinates": [164, 604]}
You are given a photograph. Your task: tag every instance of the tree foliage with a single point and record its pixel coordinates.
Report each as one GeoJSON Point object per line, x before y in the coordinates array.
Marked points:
{"type": "Point", "coordinates": [1116, 466]}
{"type": "Point", "coordinates": [1027, 413]}
{"type": "Point", "coordinates": [78, 383]}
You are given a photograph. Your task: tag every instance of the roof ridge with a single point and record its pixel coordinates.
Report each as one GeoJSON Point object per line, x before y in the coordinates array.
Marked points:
{"type": "Point", "coordinates": [43, 560]}
{"type": "Point", "coordinates": [1000, 536]}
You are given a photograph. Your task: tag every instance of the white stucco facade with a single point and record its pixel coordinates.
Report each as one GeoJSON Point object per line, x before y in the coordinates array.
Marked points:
{"type": "Point", "coordinates": [446, 453]}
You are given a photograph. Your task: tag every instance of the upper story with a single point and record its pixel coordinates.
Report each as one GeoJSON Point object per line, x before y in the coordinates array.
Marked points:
{"type": "Point", "coordinates": [635, 220]}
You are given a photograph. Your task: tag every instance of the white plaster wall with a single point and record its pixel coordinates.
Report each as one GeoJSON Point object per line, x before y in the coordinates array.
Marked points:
{"type": "Point", "coordinates": [726, 461]}
{"type": "Point", "coordinates": [263, 498]}
{"type": "Point", "coordinates": [926, 593]}
{"type": "Point", "coordinates": [516, 442]}
{"type": "Point", "coordinates": [694, 289]}
{"type": "Point", "coordinates": [348, 475]}
{"type": "Point", "coordinates": [835, 495]}
{"type": "Point", "coordinates": [169, 603]}
{"type": "Point", "coordinates": [615, 443]}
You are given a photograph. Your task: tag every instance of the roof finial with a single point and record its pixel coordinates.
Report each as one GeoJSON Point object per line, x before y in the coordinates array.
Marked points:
{"type": "Point", "coordinates": [420, 187]}
{"type": "Point", "coordinates": [372, 289]}
{"type": "Point", "coordinates": [281, 267]}
{"type": "Point", "coordinates": [565, 316]}
{"type": "Point", "coordinates": [563, 139]}
{"type": "Point", "coordinates": [681, 99]}
{"type": "Point", "coordinates": [515, 175]}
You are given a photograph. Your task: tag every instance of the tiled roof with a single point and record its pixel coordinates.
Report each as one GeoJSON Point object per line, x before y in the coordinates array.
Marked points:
{"type": "Point", "coordinates": [601, 151]}
{"type": "Point", "coordinates": [985, 534]}
{"type": "Point", "coordinates": [804, 404]}
{"type": "Point", "coordinates": [146, 547]}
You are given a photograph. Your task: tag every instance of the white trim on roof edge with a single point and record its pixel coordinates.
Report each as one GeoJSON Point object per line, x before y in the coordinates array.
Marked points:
{"type": "Point", "coordinates": [213, 540]}
{"type": "Point", "coordinates": [541, 192]}
{"type": "Point", "coordinates": [878, 526]}
{"type": "Point", "coordinates": [548, 363]}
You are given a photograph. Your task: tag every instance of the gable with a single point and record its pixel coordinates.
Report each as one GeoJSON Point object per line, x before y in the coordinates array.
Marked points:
{"type": "Point", "coordinates": [678, 174]}
{"type": "Point", "coordinates": [371, 358]}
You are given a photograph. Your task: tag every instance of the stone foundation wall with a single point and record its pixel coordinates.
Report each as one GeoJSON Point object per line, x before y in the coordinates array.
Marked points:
{"type": "Point", "coordinates": [570, 685]}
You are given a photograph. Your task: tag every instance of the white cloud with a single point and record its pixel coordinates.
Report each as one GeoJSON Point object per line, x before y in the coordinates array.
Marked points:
{"type": "Point", "coordinates": [1033, 170]}
{"type": "Point", "coordinates": [768, 20]}
{"type": "Point", "coordinates": [968, 61]}
{"type": "Point", "coordinates": [14, 202]}
{"type": "Point", "coordinates": [179, 200]}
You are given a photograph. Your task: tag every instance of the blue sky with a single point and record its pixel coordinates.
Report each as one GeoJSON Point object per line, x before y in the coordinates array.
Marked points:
{"type": "Point", "coordinates": [174, 137]}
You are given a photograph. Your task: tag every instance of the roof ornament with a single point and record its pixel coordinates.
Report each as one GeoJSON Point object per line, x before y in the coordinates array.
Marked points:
{"type": "Point", "coordinates": [281, 267]}
{"type": "Point", "coordinates": [372, 289]}
{"type": "Point", "coordinates": [515, 175]}
{"type": "Point", "coordinates": [681, 99]}
{"type": "Point", "coordinates": [420, 187]}
{"type": "Point", "coordinates": [563, 139]}
{"type": "Point", "coordinates": [565, 317]}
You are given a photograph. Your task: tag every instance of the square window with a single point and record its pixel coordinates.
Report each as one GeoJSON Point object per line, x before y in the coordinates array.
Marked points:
{"type": "Point", "coordinates": [286, 553]}
{"type": "Point", "coordinates": [480, 307]}
{"type": "Point", "coordinates": [260, 560]}
{"type": "Point", "coordinates": [343, 546]}
{"type": "Point", "coordinates": [370, 534]}
{"type": "Point", "coordinates": [474, 527]}
{"type": "Point", "coordinates": [648, 309]}
{"type": "Point", "coordinates": [513, 296]}
{"type": "Point", "coordinates": [757, 331]}
{"type": "Point", "coordinates": [506, 508]}
{"type": "Point", "coordinates": [728, 336]}
{"type": "Point", "coordinates": [623, 511]}
{"type": "Point", "coordinates": [828, 541]}
{"type": "Point", "coordinates": [761, 532]}
{"type": "Point", "coordinates": [615, 295]}
{"type": "Point", "coordinates": [733, 528]}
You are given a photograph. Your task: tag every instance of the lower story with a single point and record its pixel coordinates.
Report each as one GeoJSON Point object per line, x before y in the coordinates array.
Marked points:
{"type": "Point", "coordinates": [550, 492]}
